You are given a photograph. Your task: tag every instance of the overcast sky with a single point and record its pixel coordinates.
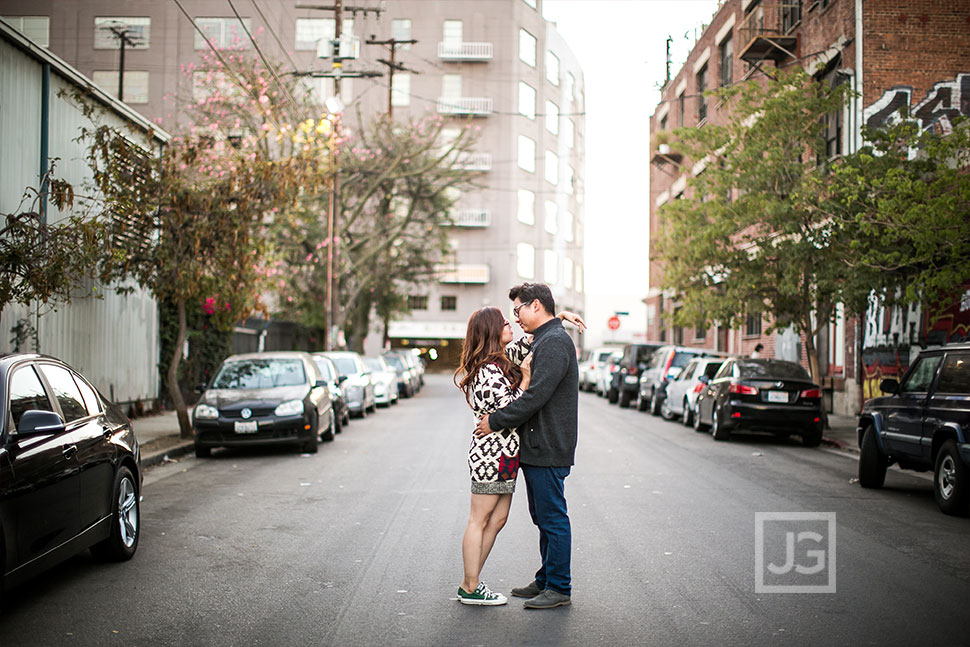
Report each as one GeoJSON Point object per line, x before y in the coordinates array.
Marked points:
{"type": "Point", "coordinates": [621, 45]}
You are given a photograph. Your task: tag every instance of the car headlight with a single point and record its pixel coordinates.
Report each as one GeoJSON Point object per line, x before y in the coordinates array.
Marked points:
{"type": "Point", "coordinates": [290, 408]}
{"type": "Point", "coordinates": [407, 375]}
{"type": "Point", "coordinates": [206, 411]}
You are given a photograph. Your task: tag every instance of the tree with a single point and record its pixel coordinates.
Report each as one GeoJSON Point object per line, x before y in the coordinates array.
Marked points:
{"type": "Point", "coordinates": [750, 237]}
{"type": "Point", "coordinates": [903, 202]}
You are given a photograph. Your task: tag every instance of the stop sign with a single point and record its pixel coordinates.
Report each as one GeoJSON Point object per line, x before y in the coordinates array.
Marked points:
{"type": "Point", "coordinates": [613, 322]}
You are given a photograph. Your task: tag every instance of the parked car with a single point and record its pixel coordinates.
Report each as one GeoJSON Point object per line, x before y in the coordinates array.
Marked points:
{"type": "Point", "coordinates": [591, 365]}
{"type": "Point", "coordinates": [264, 399]}
{"type": "Point", "coordinates": [411, 362]}
{"type": "Point", "coordinates": [606, 374]}
{"type": "Point", "coordinates": [406, 383]}
{"type": "Point", "coordinates": [358, 387]}
{"type": "Point", "coordinates": [329, 373]}
{"type": "Point", "coordinates": [417, 366]}
{"type": "Point", "coordinates": [385, 380]}
{"type": "Point", "coordinates": [680, 397]}
{"type": "Point", "coordinates": [664, 365]}
{"type": "Point", "coordinates": [634, 360]}
{"type": "Point", "coordinates": [923, 424]}
{"type": "Point", "coordinates": [70, 470]}
{"type": "Point", "coordinates": [761, 395]}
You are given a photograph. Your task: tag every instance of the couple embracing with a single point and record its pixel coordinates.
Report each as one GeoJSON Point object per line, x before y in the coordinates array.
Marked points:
{"type": "Point", "coordinates": [525, 395]}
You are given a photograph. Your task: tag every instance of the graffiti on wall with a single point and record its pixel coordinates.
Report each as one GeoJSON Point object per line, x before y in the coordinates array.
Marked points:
{"type": "Point", "coordinates": [945, 101]}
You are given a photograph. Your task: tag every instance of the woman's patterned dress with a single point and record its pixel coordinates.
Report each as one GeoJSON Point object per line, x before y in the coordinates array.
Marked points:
{"type": "Point", "coordinates": [493, 460]}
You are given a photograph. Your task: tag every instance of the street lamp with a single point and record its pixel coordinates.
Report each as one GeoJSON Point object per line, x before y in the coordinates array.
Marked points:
{"type": "Point", "coordinates": [334, 108]}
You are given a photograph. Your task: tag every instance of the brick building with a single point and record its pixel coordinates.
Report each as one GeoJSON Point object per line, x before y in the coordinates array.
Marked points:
{"type": "Point", "coordinates": [895, 53]}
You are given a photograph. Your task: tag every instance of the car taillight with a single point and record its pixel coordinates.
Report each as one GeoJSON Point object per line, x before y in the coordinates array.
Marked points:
{"type": "Point", "coordinates": [699, 387]}
{"type": "Point", "coordinates": [614, 368]}
{"type": "Point", "coordinates": [631, 370]}
{"type": "Point", "coordinates": [742, 389]}
{"type": "Point", "coordinates": [811, 393]}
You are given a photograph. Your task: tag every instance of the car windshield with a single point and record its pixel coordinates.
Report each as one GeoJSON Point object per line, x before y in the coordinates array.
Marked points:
{"type": "Point", "coordinates": [374, 363]}
{"type": "Point", "coordinates": [346, 365]}
{"type": "Point", "coordinates": [772, 370]}
{"type": "Point", "coordinates": [395, 361]}
{"type": "Point", "coordinates": [324, 367]}
{"type": "Point", "coordinates": [260, 374]}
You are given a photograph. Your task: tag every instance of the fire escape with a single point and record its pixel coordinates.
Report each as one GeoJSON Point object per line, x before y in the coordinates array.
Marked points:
{"type": "Point", "coordinates": [767, 31]}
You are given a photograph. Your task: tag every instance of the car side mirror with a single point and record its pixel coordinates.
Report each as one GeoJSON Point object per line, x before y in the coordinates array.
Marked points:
{"type": "Point", "coordinates": [341, 379]}
{"type": "Point", "coordinates": [319, 384]}
{"type": "Point", "coordinates": [39, 422]}
{"type": "Point", "coordinates": [889, 385]}
{"type": "Point", "coordinates": [703, 379]}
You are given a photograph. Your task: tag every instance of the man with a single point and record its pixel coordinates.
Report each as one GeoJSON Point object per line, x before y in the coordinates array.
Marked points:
{"type": "Point", "coordinates": [546, 416]}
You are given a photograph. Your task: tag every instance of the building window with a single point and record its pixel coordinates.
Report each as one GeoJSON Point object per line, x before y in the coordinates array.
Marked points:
{"type": "Point", "coordinates": [552, 117]}
{"type": "Point", "coordinates": [701, 99]}
{"type": "Point", "coordinates": [567, 226]}
{"type": "Point", "coordinates": [451, 86]}
{"type": "Point", "coordinates": [527, 48]}
{"type": "Point", "coordinates": [752, 325]}
{"type": "Point", "coordinates": [552, 168]}
{"type": "Point", "coordinates": [567, 180]}
{"type": "Point", "coordinates": [317, 89]}
{"type": "Point", "coordinates": [223, 33]}
{"type": "Point", "coordinates": [680, 102]}
{"type": "Point", "coordinates": [552, 68]}
{"type": "Point", "coordinates": [550, 267]}
{"type": "Point", "coordinates": [401, 89]}
{"type": "Point", "coordinates": [570, 86]}
{"type": "Point", "coordinates": [578, 278]}
{"type": "Point", "coordinates": [791, 14]}
{"type": "Point", "coordinates": [136, 85]}
{"type": "Point", "coordinates": [417, 302]}
{"type": "Point", "coordinates": [663, 123]}
{"type": "Point", "coordinates": [700, 331]}
{"type": "Point", "coordinates": [726, 48]}
{"type": "Point", "coordinates": [36, 28]}
{"type": "Point", "coordinates": [552, 217]}
{"type": "Point", "coordinates": [527, 154]}
{"type": "Point", "coordinates": [832, 122]}
{"type": "Point", "coordinates": [525, 260]}
{"type": "Point", "coordinates": [527, 100]}
{"type": "Point", "coordinates": [449, 304]}
{"type": "Point", "coordinates": [309, 31]}
{"type": "Point", "coordinates": [401, 30]}
{"type": "Point", "coordinates": [137, 29]}
{"type": "Point", "coordinates": [567, 273]}
{"type": "Point", "coordinates": [569, 132]}
{"type": "Point", "coordinates": [526, 207]}
{"type": "Point", "coordinates": [452, 33]}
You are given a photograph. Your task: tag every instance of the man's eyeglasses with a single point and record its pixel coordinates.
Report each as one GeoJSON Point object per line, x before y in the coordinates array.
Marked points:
{"type": "Point", "coordinates": [516, 309]}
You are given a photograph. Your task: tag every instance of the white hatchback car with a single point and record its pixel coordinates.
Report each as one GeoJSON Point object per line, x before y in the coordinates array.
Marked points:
{"type": "Point", "coordinates": [589, 369]}
{"type": "Point", "coordinates": [681, 400]}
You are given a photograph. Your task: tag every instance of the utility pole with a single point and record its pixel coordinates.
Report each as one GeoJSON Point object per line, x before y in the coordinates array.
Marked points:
{"type": "Point", "coordinates": [338, 10]}
{"type": "Point", "coordinates": [124, 36]}
{"type": "Point", "coordinates": [392, 66]}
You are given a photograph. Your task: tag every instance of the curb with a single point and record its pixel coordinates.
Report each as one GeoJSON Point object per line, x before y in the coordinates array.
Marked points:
{"type": "Point", "coordinates": [839, 444]}
{"type": "Point", "coordinates": [159, 456]}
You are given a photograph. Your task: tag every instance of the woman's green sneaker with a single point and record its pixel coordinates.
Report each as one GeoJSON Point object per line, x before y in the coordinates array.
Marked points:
{"type": "Point", "coordinates": [482, 595]}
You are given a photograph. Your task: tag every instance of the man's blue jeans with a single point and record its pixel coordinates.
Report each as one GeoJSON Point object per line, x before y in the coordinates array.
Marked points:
{"type": "Point", "coordinates": [545, 487]}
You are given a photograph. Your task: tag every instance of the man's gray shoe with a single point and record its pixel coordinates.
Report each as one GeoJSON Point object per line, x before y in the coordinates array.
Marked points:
{"type": "Point", "coordinates": [547, 600]}
{"type": "Point", "coordinates": [529, 591]}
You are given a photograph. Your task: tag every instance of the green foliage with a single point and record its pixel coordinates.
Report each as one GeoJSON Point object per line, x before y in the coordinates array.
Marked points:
{"type": "Point", "coordinates": [208, 345]}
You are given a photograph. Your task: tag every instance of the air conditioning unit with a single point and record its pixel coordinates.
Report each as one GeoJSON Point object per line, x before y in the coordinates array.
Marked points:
{"type": "Point", "coordinates": [348, 49]}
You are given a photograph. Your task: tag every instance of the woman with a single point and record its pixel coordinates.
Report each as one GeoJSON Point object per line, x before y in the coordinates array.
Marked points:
{"type": "Point", "coordinates": [493, 372]}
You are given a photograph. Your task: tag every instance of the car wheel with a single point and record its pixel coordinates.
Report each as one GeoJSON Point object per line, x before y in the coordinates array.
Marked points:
{"type": "Point", "coordinates": [312, 444]}
{"type": "Point", "coordinates": [655, 402]}
{"type": "Point", "coordinates": [950, 480]}
{"type": "Point", "coordinates": [642, 405]}
{"type": "Point", "coordinates": [665, 412]}
{"type": "Point", "coordinates": [717, 429]}
{"type": "Point", "coordinates": [613, 395]}
{"type": "Point", "coordinates": [872, 462]}
{"type": "Point", "coordinates": [338, 423]}
{"type": "Point", "coordinates": [331, 431]}
{"type": "Point", "coordinates": [625, 398]}
{"type": "Point", "coordinates": [688, 414]}
{"type": "Point", "coordinates": [698, 425]}
{"type": "Point", "coordinates": [812, 437]}
{"type": "Point", "coordinates": [202, 452]}
{"type": "Point", "coordinates": [125, 526]}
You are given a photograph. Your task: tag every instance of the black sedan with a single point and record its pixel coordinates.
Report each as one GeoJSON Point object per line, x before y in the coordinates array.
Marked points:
{"type": "Point", "coordinates": [264, 399]}
{"type": "Point", "coordinates": [761, 395]}
{"type": "Point", "coordinates": [70, 469]}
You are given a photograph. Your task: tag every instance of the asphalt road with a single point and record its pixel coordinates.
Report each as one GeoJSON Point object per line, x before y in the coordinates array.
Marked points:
{"type": "Point", "coordinates": [360, 545]}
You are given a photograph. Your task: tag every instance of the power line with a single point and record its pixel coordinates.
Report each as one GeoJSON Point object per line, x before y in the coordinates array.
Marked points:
{"type": "Point", "coordinates": [209, 43]}
{"type": "Point", "coordinates": [272, 31]}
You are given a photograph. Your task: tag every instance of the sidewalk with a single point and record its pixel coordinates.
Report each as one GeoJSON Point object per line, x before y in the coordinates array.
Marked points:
{"type": "Point", "coordinates": [158, 436]}
{"type": "Point", "coordinates": [842, 432]}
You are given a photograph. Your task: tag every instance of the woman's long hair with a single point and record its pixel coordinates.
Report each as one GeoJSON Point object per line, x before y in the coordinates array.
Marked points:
{"type": "Point", "coordinates": [483, 345]}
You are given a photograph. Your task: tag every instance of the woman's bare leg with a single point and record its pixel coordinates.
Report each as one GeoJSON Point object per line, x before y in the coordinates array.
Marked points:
{"type": "Point", "coordinates": [472, 544]}
{"type": "Point", "coordinates": [495, 523]}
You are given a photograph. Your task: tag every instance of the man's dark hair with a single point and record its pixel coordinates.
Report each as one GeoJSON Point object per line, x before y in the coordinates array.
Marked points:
{"type": "Point", "coordinates": [540, 292]}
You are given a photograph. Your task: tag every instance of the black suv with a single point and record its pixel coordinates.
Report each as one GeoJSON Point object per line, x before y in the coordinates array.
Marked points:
{"type": "Point", "coordinates": [924, 424]}
{"type": "Point", "coordinates": [635, 358]}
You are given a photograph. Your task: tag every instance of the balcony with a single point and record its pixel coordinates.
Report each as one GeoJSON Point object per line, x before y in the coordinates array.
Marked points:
{"type": "Point", "coordinates": [465, 273]}
{"type": "Point", "coordinates": [470, 218]}
{"type": "Point", "coordinates": [474, 161]}
{"type": "Point", "coordinates": [465, 51]}
{"type": "Point", "coordinates": [463, 106]}
{"type": "Point", "coordinates": [767, 32]}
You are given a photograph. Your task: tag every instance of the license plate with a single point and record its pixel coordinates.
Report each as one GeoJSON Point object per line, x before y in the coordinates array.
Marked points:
{"type": "Point", "coordinates": [246, 426]}
{"type": "Point", "coordinates": [777, 396]}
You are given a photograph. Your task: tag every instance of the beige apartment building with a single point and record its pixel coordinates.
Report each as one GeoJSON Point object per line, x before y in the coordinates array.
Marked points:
{"type": "Point", "coordinates": [496, 62]}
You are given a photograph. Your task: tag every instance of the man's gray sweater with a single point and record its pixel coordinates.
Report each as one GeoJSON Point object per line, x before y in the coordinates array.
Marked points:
{"type": "Point", "coordinates": [546, 414]}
